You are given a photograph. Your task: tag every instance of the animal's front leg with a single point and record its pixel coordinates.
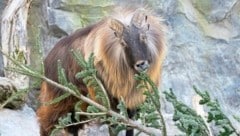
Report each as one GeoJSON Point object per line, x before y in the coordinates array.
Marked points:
{"type": "Point", "coordinates": [131, 113]}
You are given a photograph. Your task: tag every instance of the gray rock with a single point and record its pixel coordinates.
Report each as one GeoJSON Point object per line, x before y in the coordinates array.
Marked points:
{"type": "Point", "coordinates": [204, 54]}
{"type": "Point", "coordinates": [204, 48]}
{"type": "Point", "coordinates": [1, 66]}
{"type": "Point", "coordinates": [7, 90]}
{"type": "Point", "coordinates": [94, 130]}
{"type": "Point", "coordinates": [2, 6]}
{"type": "Point", "coordinates": [76, 13]}
{"type": "Point", "coordinates": [18, 122]}
{"type": "Point", "coordinates": [203, 45]}
{"type": "Point", "coordinates": [215, 10]}
{"type": "Point", "coordinates": [222, 29]}
{"type": "Point", "coordinates": [60, 27]}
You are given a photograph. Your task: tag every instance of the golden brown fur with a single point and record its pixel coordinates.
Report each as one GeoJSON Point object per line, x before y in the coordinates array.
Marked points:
{"type": "Point", "coordinates": [110, 62]}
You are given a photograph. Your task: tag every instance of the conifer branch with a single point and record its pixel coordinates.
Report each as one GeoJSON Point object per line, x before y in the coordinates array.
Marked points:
{"type": "Point", "coordinates": [23, 69]}
{"type": "Point", "coordinates": [15, 96]}
{"type": "Point", "coordinates": [154, 97]}
{"type": "Point", "coordinates": [91, 114]}
{"type": "Point", "coordinates": [89, 76]}
{"type": "Point", "coordinates": [102, 108]}
{"type": "Point", "coordinates": [80, 122]}
{"type": "Point", "coordinates": [186, 118]}
{"type": "Point", "coordinates": [215, 114]}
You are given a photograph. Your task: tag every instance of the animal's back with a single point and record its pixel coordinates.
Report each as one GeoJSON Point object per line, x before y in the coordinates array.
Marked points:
{"type": "Point", "coordinates": [61, 52]}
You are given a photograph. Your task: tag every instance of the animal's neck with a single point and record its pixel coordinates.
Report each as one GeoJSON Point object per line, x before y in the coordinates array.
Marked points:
{"type": "Point", "coordinates": [113, 69]}
{"type": "Point", "coordinates": [119, 82]}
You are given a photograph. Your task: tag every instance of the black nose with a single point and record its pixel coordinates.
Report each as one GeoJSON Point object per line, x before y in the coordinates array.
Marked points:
{"type": "Point", "coordinates": [141, 65]}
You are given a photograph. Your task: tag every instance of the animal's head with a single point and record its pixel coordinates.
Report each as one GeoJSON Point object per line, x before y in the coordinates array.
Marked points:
{"type": "Point", "coordinates": [134, 40]}
{"type": "Point", "coordinates": [128, 42]}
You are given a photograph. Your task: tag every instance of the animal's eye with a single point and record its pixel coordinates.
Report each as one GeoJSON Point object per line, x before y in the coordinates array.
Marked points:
{"type": "Point", "coordinates": [115, 33]}
{"type": "Point", "coordinates": [148, 26]}
{"type": "Point", "coordinates": [143, 37]}
{"type": "Point", "coordinates": [123, 43]}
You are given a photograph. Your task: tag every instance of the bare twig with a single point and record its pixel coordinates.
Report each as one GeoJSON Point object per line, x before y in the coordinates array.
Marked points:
{"type": "Point", "coordinates": [91, 114]}
{"type": "Point", "coordinates": [81, 122]}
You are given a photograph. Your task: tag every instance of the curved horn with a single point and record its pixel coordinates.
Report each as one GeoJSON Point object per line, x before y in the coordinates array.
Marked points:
{"type": "Point", "coordinates": [139, 17]}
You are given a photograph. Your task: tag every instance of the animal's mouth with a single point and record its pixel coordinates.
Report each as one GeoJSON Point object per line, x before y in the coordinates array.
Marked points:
{"type": "Point", "coordinates": [140, 71]}
{"type": "Point", "coordinates": [141, 66]}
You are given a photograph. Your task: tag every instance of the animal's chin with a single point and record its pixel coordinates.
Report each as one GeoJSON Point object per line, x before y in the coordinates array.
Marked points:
{"type": "Point", "coordinates": [140, 71]}
{"type": "Point", "coordinates": [134, 71]}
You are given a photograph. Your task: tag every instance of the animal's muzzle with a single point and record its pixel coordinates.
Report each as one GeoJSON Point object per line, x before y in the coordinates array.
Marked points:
{"type": "Point", "coordinates": [141, 65]}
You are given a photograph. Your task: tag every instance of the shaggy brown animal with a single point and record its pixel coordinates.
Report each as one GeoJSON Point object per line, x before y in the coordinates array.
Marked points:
{"type": "Point", "coordinates": [128, 42]}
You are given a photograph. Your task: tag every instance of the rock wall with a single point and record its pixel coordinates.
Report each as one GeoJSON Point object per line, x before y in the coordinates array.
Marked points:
{"type": "Point", "coordinates": [18, 122]}
{"type": "Point", "coordinates": [203, 47]}
{"type": "Point", "coordinates": [203, 43]}
{"type": "Point", "coordinates": [2, 6]}
{"type": "Point", "coordinates": [204, 50]}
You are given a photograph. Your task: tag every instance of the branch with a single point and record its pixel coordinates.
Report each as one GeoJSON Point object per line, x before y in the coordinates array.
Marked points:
{"type": "Point", "coordinates": [27, 71]}
{"type": "Point", "coordinates": [132, 123]}
{"type": "Point", "coordinates": [82, 122]}
{"type": "Point", "coordinates": [148, 84]}
{"type": "Point", "coordinates": [103, 90]}
{"type": "Point", "coordinates": [91, 114]}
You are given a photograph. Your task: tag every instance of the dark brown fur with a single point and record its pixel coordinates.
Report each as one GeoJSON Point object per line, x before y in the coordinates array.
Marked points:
{"type": "Point", "coordinates": [112, 62]}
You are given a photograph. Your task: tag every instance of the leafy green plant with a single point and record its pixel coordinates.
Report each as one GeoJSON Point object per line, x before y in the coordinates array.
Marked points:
{"type": "Point", "coordinates": [13, 99]}
{"type": "Point", "coordinates": [215, 114]}
{"type": "Point", "coordinates": [114, 123]}
{"type": "Point", "coordinates": [150, 111]}
{"type": "Point", "coordinates": [192, 124]}
{"type": "Point", "coordinates": [149, 114]}
{"type": "Point", "coordinates": [236, 118]}
{"type": "Point", "coordinates": [186, 118]}
{"type": "Point", "coordinates": [89, 77]}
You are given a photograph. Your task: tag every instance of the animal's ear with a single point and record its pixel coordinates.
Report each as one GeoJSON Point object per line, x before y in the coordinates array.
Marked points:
{"type": "Point", "coordinates": [116, 26]}
{"type": "Point", "coordinates": [139, 18]}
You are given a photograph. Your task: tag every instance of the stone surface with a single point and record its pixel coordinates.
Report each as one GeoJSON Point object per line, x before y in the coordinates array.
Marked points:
{"type": "Point", "coordinates": [2, 6]}
{"type": "Point", "coordinates": [215, 10]}
{"type": "Point", "coordinates": [8, 89]}
{"type": "Point", "coordinates": [203, 48]}
{"type": "Point", "coordinates": [203, 44]}
{"type": "Point", "coordinates": [18, 122]}
{"type": "Point", "coordinates": [94, 130]}
{"type": "Point", "coordinates": [204, 51]}
{"type": "Point", "coordinates": [76, 13]}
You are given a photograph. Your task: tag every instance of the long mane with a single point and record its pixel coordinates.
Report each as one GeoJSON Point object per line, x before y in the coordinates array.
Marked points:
{"type": "Point", "coordinates": [111, 61]}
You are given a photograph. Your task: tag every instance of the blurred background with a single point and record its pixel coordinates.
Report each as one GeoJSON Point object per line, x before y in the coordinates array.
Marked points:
{"type": "Point", "coordinates": [203, 44]}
